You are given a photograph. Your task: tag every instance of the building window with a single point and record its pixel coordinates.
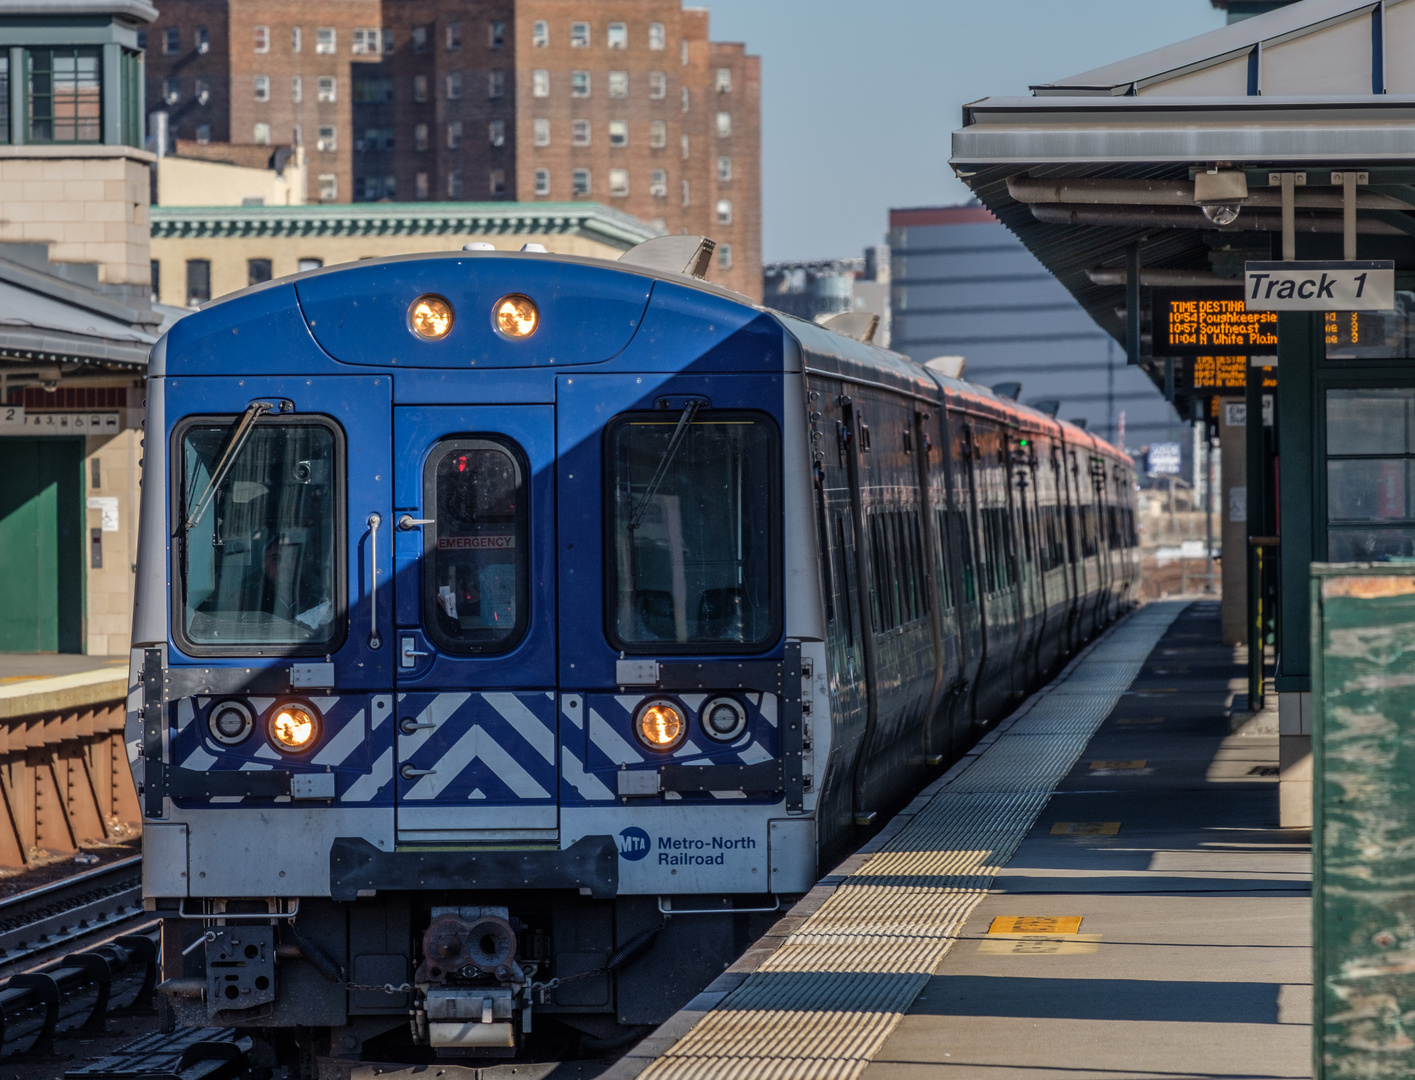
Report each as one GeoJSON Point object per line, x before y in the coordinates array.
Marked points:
{"type": "Point", "coordinates": [683, 52]}
{"type": "Point", "coordinates": [684, 94]}
{"type": "Point", "coordinates": [325, 41]}
{"type": "Point", "coordinates": [657, 38]}
{"type": "Point", "coordinates": [658, 84]}
{"type": "Point", "coordinates": [454, 184]}
{"type": "Point", "coordinates": [154, 279]}
{"type": "Point", "coordinates": [724, 256]}
{"type": "Point", "coordinates": [297, 135]}
{"type": "Point", "coordinates": [724, 80]}
{"type": "Point", "coordinates": [618, 35]}
{"type": "Point", "coordinates": [618, 84]}
{"type": "Point", "coordinates": [658, 184]}
{"type": "Point", "coordinates": [262, 87]}
{"type": "Point", "coordinates": [724, 125]}
{"type": "Point", "coordinates": [496, 83]}
{"type": "Point", "coordinates": [328, 187]}
{"type": "Point", "coordinates": [497, 185]}
{"type": "Point", "coordinates": [65, 95]}
{"type": "Point", "coordinates": [618, 133]}
{"type": "Point", "coordinates": [420, 137]}
{"type": "Point", "coordinates": [142, 40]}
{"type": "Point", "coordinates": [297, 89]}
{"type": "Point", "coordinates": [579, 84]}
{"type": "Point", "coordinates": [724, 211]}
{"type": "Point", "coordinates": [580, 182]}
{"type": "Point", "coordinates": [306, 265]}
{"type": "Point", "coordinates": [203, 40]}
{"type": "Point", "coordinates": [579, 133]}
{"type": "Point", "coordinates": [454, 85]}
{"type": "Point", "coordinates": [580, 35]}
{"type": "Point", "coordinates": [496, 132]}
{"type": "Point", "coordinates": [724, 168]}
{"type": "Point", "coordinates": [171, 91]}
{"type": "Point", "coordinates": [198, 281]}
{"type": "Point", "coordinates": [172, 41]}
{"type": "Point", "coordinates": [542, 132]}
{"type": "Point", "coordinates": [684, 143]}
{"type": "Point", "coordinates": [203, 90]}
{"type": "Point", "coordinates": [373, 91]}
{"type": "Point", "coordinates": [203, 134]}
{"type": "Point", "coordinates": [261, 35]}
{"type": "Point", "coordinates": [542, 181]}
{"type": "Point", "coordinates": [296, 39]}
{"type": "Point", "coordinates": [388, 41]}
{"type": "Point", "coordinates": [325, 88]}
{"type": "Point", "coordinates": [420, 39]}
{"type": "Point", "coordinates": [375, 139]}
{"type": "Point", "coordinates": [496, 34]}
{"type": "Point", "coordinates": [261, 135]}
{"type": "Point", "coordinates": [686, 200]}
{"type": "Point", "coordinates": [658, 134]}
{"type": "Point", "coordinates": [454, 36]}
{"type": "Point", "coordinates": [419, 88]}
{"type": "Point", "coordinates": [420, 185]}
{"type": "Point", "coordinates": [540, 83]}
{"type": "Point", "coordinates": [328, 140]}
{"type": "Point", "coordinates": [454, 134]}
{"type": "Point", "coordinates": [367, 41]}
{"type": "Point", "coordinates": [540, 34]}
{"type": "Point", "coordinates": [257, 270]}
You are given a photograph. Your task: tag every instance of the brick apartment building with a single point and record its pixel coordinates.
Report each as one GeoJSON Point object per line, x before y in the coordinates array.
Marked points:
{"type": "Point", "coordinates": [622, 102]}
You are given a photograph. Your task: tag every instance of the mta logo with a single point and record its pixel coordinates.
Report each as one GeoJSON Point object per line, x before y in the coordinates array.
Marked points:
{"type": "Point", "coordinates": [633, 844]}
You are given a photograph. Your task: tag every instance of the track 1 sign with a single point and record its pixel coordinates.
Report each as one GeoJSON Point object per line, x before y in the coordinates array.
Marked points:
{"type": "Point", "coordinates": [1362, 285]}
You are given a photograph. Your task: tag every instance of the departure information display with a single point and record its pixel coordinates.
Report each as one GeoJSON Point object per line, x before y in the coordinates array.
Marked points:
{"type": "Point", "coordinates": [1218, 372]}
{"type": "Point", "coordinates": [1205, 320]}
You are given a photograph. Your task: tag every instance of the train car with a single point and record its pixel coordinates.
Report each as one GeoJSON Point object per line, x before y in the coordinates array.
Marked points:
{"type": "Point", "coordinates": [517, 633]}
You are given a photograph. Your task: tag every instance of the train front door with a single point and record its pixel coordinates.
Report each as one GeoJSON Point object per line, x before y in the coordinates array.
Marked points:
{"type": "Point", "coordinates": [474, 636]}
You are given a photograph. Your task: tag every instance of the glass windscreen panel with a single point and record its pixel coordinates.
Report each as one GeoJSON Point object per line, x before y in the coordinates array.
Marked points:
{"type": "Point", "coordinates": [1372, 335]}
{"type": "Point", "coordinates": [691, 558]}
{"type": "Point", "coordinates": [475, 552]}
{"type": "Point", "coordinates": [1370, 444]}
{"type": "Point", "coordinates": [260, 566]}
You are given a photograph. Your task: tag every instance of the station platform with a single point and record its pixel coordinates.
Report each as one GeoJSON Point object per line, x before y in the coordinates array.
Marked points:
{"type": "Point", "coordinates": [1100, 889]}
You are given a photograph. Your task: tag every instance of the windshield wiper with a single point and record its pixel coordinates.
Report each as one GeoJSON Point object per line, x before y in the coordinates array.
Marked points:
{"type": "Point", "coordinates": [669, 452]}
{"type": "Point", "coordinates": [240, 432]}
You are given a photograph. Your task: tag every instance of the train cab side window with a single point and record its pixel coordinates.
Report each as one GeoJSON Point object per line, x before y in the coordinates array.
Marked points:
{"type": "Point", "coordinates": [260, 565]}
{"type": "Point", "coordinates": [691, 555]}
{"type": "Point", "coordinates": [475, 553]}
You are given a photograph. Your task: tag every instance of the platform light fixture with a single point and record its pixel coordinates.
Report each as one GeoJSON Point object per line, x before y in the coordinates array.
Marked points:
{"type": "Point", "coordinates": [294, 727]}
{"type": "Point", "coordinates": [516, 316]}
{"type": "Point", "coordinates": [430, 317]}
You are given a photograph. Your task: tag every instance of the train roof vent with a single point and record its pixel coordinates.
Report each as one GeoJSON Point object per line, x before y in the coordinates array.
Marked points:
{"type": "Point", "coordinates": [949, 366]}
{"type": "Point", "coordinates": [1050, 406]}
{"type": "Point", "coordinates": [1008, 390]}
{"type": "Point", "coordinates": [1079, 422]}
{"type": "Point", "coordinates": [860, 325]}
{"type": "Point", "coordinates": [673, 255]}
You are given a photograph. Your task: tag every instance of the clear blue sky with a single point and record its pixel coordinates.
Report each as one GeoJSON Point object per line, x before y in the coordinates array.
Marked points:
{"type": "Point", "coordinates": [859, 99]}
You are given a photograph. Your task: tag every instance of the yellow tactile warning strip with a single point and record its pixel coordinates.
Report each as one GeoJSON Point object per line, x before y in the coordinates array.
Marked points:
{"type": "Point", "coordinates": [1035, 924]}
{"type": "Point", "coordinates": [821, 1004]}
{"type": "Point", "coordinates": [1085, 828]}
{"type": "Point", "coordinates": [1039, 944]}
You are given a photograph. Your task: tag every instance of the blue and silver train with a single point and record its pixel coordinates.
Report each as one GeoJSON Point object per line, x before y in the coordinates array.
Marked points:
{"type": "Point", "coordinates": [516, 632]}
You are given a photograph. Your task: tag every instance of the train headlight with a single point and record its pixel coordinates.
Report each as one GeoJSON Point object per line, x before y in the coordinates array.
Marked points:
{"type": "Point", "coordinates": [294, 728]}
{"type": "Point", "coordinates": [516, 316]}
{"type": "Point", "coordinates": [659, 725]}
{"type": "Point", "coordinates": [230, 722]}
{"type": "Point", "coordinates": [430, 317]}
{"type": "Point", "coordinates": [724, 719]}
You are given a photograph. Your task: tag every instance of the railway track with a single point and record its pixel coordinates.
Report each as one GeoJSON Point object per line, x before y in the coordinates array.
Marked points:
{"type": "Point", "coordinates": [40, 922]}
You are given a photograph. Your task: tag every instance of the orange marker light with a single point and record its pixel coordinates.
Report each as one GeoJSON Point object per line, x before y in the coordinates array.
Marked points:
{"type": "Point", "coordinates": [430, 317]}
{"type": "Point", "coordinates": [660, 726]}
{"type": "Point", "coordinates": [293, 728]}
{"type": "Point", "coordinates": [516, 316]}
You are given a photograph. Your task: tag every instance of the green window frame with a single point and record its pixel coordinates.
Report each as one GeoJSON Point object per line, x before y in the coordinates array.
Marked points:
{"type": "Point", "coordinates": [65, 94]}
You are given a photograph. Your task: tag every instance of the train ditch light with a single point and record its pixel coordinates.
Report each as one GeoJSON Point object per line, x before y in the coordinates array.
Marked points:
{"type": "Point", "coordinates": [430, 317]}
{"type": "Point", "coordinates": [516, 316]}
{"type": "Point", "coordinates": [294, 728]}
{"type": "Point", "coordinates": [660, 725]}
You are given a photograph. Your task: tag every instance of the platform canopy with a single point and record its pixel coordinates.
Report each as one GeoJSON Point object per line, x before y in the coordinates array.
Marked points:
{"type": "Point", "coordinates": [1088, 167]}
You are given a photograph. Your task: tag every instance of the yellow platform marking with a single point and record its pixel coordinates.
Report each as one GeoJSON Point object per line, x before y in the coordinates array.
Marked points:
{"type": "Point", "coordinates": [1116, 766]}
{"type": "Point", "coordinates": [1133, 721]}
{"type": "Point", "coordinates": [1035, 924]}
{"type": "Point", "coordinates": [1085, 828]}
{"type": "Point", "coordinates": [1039, 944]}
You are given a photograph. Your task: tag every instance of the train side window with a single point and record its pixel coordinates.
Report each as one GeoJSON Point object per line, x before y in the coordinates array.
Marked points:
{"type": "Point", "coordinates": [843, 576]}
{"type": "Point", "coordinates": [475, 573]}
{"type": "Point", "coordinates": [261, 565]}
{"type": "Point", "coordinates": [692, 559]}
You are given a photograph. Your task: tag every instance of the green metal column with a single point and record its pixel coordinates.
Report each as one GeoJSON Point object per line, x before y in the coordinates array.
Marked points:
{"type": "Point", "coordinates": [1299, 335]}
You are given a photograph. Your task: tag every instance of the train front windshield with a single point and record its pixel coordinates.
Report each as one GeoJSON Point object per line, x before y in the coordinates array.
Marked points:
{"type": "Point", "coordinates": [690, 530]}
{"type": "Point", "coordinates": [259, 566]}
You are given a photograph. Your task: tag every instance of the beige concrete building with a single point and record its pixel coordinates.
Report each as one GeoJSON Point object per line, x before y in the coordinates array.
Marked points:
{"type": "Point", "coordinates": [227, 174]}
{"type": "Point", "coordinates": [203, 252]}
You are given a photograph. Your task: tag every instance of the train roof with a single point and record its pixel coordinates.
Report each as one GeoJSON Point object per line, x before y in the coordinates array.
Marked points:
{"type": "Point", "coordinates": [821, 349]}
